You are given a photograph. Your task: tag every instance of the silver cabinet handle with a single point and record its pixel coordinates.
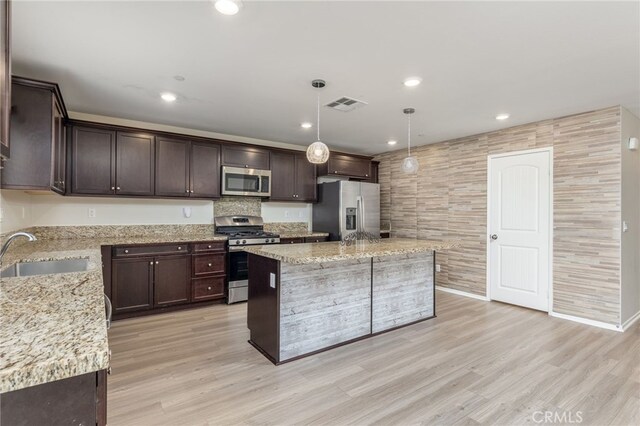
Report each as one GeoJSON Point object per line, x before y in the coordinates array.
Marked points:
{"type": "Point", "coordinates": [117, 188]}
{"type": "Point", "coordinates": [113, 188]}
{"type": "Point", "coordinates": [209, 288]}
{"type": "Point", "coordinates": [210, 265]}
{"type": "Point", "coordinates": [109, 307]}
{"type": "Point", "coordinates": [151, 263]}
{"type": "Point", "coordinates": [157, 262]}
{"type": "Point", "coordinates": [126, 251]}
{"type": "Point", "coordinates": [191, 191]}
{"type": "Point", "coordinates": [494, 237]}
{"type": "Point", "coordinates": [186, 190]}
{"type": "Point", "coordinates": [179, 247]}
{"type": "Point", "coordinates": [209, 246]}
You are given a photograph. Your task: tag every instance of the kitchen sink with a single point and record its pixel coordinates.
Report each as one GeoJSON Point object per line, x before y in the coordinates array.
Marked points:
{"type": "Point", "coordinates": [25, 269]}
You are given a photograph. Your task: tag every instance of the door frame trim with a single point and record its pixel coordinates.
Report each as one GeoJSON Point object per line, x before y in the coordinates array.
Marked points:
{"type": "Point", "coordinates": [490, 157]}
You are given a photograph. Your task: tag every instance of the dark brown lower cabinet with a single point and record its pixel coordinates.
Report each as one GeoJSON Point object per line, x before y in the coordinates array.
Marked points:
{"type": "Point", "coordinates": [146, 279]}
{"type": "Point", "coordinates": [172, 276]}
{"type": "Point", "coordinates": [79, 400]}
{"type": "Point", "coordinates": [132, 284]}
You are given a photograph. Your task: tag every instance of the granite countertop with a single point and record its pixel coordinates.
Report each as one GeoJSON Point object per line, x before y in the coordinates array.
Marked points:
{"type": "Point", "coordinates": [53, 326]}
{"type": "Point", "coordinates": [333, 251]}
{"type": "Point", "coordinates": [302, 234]}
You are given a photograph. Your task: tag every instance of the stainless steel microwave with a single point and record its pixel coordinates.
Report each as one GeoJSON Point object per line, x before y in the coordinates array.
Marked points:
{"type": "Point", "coordinates": [247, 182]}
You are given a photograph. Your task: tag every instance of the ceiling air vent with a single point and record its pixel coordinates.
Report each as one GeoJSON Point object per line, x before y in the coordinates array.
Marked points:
{"type": "Point", "coordinates": [345, 104]}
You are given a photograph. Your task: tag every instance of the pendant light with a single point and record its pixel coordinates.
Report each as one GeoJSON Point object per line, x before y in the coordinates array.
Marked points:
{"type": "Point", "coordinates": [410, 163]}
{"type": "Point", "coordinates": [318, 152]}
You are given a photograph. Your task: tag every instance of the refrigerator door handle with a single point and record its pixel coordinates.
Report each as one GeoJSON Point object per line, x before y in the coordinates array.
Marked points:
{"type": "Point", "coordinates": [359, 214]}
{"type": "Point", "coordinates": [363, 224]}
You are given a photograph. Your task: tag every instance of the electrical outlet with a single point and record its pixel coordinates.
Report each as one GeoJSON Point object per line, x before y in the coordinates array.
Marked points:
{"type": "Point", "coordinates": [437, 267]}
{"type": "Point", "coordinates": [91, 212]}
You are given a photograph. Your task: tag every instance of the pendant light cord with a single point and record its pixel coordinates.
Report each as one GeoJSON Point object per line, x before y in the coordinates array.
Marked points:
{"type": "Point", "coordinates": [409, 131]}
{"type": "Point", "coordinates": [318, 125]}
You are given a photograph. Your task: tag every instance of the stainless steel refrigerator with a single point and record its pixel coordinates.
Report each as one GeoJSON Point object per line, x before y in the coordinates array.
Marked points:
{"type": "Point", "coordinates": [344, 207]}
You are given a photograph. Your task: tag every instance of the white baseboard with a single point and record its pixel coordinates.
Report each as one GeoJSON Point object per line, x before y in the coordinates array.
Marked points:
{"type": "Point", "coordinates": [461, 293]}
{"type": "Point", "coordinates": [628, 323]}
{"type": "Point", "coordinates": [587, 321]}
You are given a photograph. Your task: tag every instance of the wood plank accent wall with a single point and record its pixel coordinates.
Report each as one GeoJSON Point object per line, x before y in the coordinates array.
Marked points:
{"type": "Point", "coordinates": [448, 197]}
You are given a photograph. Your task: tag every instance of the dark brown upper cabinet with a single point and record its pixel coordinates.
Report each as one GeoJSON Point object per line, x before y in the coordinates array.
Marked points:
{"type": "Point", "coordinates": [5, 76]}
{"type": "Point", "coordinates": [245, 156]}
{"type": "Point", "coordinates": [135, 165]}
{"type": "Point", "coordinates": [205, 170]}
{"type": "Point", "coordinates": [38, 135]}
{"type": "Point", "coordinates": [346, 165]}
{"type": "Point", "coordinates": [93, 164]}
{"type": "Point", "coordinates": [293, 177]}
{"type": "Point", "coordinates": [187, 169]}
{"type": "Point", "coordinates": [105, 162]}
{"type": "Point", "coordinates": [172, 167]}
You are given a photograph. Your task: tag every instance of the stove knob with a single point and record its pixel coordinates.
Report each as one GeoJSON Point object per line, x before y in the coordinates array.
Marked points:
{"type": "Point", "coordinates": [273, 240]}
{"type": "Point", "coordinates": [237, 241]}
{"type": "Point", "coordinates": [244, 241]}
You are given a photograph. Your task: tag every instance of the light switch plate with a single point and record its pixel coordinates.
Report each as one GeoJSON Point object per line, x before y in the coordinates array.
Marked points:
{"type": "Point", "coordinates": [272, 280]}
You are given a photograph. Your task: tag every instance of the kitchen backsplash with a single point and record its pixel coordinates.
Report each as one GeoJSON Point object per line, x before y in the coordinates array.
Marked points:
{"type": "Point", "coordinates": [289, 227]}
{"type": "Point", "coordinates": [227, 206]}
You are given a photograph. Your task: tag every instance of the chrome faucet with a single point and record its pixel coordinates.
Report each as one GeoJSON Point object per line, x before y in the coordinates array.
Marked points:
{"type": "Point", "coordinates": [7, 243]}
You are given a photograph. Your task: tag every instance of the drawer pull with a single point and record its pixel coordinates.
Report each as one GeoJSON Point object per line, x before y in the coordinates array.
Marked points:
{"type": "Point", "coordinates": [157, 262]}
{"type": "Point", "coordinates": [179, 248]}
{"type": "Point", "coordinates": [151, 263]}
{"type": "Point", "coordinates": [126, 251]}
{"type": "Point", "coordinates": [209, 246]}
{"type": "Point", "coordinates": [209, 288]}
{"type": "Point", "coordinates": [210, 265]}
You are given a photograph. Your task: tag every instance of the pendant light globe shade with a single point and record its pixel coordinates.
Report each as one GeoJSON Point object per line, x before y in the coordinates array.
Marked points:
{"type": "Point", "coordinates": [410, 165]}
{"type": "Point", "coordinates": [318, 153]}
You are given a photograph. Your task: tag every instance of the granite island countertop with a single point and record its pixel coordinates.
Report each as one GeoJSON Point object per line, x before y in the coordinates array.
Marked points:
{"type": "Point", "coordinates": [302, 234]}
{"type": "Point", "coordinates": [333, 251]}
{"type": "Point", "coordinates": [53, 326]}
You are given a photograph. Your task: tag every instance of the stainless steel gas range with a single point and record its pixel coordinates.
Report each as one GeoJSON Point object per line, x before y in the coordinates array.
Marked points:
{"type": "Point", "coordinates": [242, 231]}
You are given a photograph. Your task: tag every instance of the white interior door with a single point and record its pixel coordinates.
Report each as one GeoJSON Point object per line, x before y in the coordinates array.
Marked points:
{"type": "Point", "coordinates": [520, 229]}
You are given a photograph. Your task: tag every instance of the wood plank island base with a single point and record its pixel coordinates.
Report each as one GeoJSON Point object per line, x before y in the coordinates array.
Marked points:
{"type": "Point", "coordinates": [309, 298]}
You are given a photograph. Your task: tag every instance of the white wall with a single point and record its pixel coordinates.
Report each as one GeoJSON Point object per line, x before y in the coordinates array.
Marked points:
{"type": "Point", "coordinates": [15, 210]}
{"type": "Point", "coordinates": [22, 210]}
{"type": "Point", "coordinates": [630, 294]}
{"type": "Point", "coordinates": [286, 212]}
{"type": "Point", "coordinates": [48, 210]}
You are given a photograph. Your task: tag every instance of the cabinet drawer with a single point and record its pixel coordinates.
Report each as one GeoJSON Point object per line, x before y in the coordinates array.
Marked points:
{"type": "Point", "coordinates": [291, 240]}
{"type": "Point", "coordinates": [209, 246]}
{"type": "Point", "coordinates": [208, 288]}
{"type": "Point", "coordinates": [206, 264]}
{"type": "Point", "coordinates": [315, 239]}
{"type": "Point", "coordinates": [128, 251]}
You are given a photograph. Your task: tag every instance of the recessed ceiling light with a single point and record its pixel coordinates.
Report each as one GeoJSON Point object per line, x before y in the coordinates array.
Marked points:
{"type": "Point", "coordinates": [412, 81]}
{"type": "Point", "coordinates": [306, 125]}
{"type": "Point", "coordinates": [178, 78]}
{"type": "Point", "coordinates": [502, 116]}
{"type": "Point", "coordinates": [228, 7]}
{"type": "Point", "coordinates": [168, 97]}
{"type": "Point", "coordinates": [392, 142]}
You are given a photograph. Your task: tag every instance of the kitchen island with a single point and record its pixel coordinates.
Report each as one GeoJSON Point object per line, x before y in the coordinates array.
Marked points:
{"type": "Point", "coordinates": [308, 298]}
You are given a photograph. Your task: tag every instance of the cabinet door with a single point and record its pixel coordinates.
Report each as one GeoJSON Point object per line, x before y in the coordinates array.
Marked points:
{"type": "Point", "coordinates": [305, 179]}
{"type": "Point", "coordinates": [93, 161]}
{"type": "Point", "coordinates": [5, 76]}
{"type": "Point", "coordinates": [30, 133]}
{"type": "Point", "coordinates": [132, 284]}
{"type": "Point", "coordinates": [172, 280]}
{"type": "Point", "coordinates": [58, 151]}
{"type": "Point", "coordinates": [283, 166]}
{"type": "Point", "coordinates": [134, 164]}
{"type": "Point", "coordinates": [248, 157]}
{"type": "Point", "coordinates": [205, 170]}
{"type": "Point", "coordinates": [344, 165]}
{"type": "Point", "coordinates": [172, 167]}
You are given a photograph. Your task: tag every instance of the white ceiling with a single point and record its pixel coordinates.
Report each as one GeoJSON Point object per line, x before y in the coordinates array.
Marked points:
{"type": "Point", "coordinates": [249, 74]}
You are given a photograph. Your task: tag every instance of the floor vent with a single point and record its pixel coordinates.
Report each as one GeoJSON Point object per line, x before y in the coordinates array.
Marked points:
{"type": "Point", "coordinates": [345, 104]}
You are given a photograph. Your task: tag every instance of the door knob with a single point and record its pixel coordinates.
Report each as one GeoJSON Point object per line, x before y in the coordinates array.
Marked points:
{"type": "Point", "coordinates": [494, 236]}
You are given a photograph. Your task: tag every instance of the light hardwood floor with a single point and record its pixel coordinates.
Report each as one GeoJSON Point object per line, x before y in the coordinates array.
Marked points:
{"type": "Point", "coordinates": [476, 363]}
